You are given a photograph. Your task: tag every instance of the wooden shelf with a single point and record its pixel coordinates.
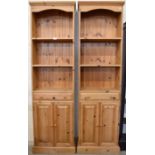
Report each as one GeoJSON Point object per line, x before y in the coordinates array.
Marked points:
{"type": "Point", "coordinates": [52, 65]}
{"type": "Point", "coordinates": [99, 90]}
{"type": "Point", "coordinates": [101, 39]}
{"type": "Point", "coordinates": [54, 39]}
{"type": "Point", "coordinates": [52, 90]}
{"type": "Point", "coordinates": [98, 65]}
{"type": "Point", "coordinates": [52, 27]}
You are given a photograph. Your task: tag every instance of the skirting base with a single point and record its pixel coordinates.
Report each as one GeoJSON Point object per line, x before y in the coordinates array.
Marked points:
{"type": "Point", "coordinates": [115, 150]}
{"type": "Point", "coordinates": [53, 150]}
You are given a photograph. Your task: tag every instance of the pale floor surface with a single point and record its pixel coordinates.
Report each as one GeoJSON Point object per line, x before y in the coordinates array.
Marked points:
{"type": "Point", "coordinates": [30, 153]}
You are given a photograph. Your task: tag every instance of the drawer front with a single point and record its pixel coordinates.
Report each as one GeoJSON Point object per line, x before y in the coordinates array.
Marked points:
{"type": "Point", "coordinates": [99, 96]}
{"type": "Point", "coordinates": [53, 96]}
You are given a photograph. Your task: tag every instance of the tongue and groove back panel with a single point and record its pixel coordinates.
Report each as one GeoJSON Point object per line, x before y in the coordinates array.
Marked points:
{"type": "Point", "coordinates": [52, 43]}
{"type": "Point", "coordinates": [57, 24]}
{"type": "Point", "coordinates": [100, 67]}
{"type": "Point", "coordinates": [99, 75]}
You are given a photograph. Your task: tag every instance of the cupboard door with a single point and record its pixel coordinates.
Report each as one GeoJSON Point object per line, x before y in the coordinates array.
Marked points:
{"type": "Point", "coordinates": [43, 118]}
{"type": "Point", "coordinates": [63, 122]}
{"type": "Point", "coordinates": [89, 123]}
{"type": "Point", "coordinates": [108, 124]}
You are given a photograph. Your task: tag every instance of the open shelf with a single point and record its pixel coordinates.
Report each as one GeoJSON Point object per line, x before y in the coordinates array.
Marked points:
{"type": "Point", "coordinates": [99, 78]}
{"type": "Point", "coordinates": [100, 54]}
{"type": "Point", "coordinates": [106, 24]}
{"type": "Point", "coordinates": [53, 24]}
{"type": "Point", "coordinates": [47, 78]}
{"type": "Point", "coordinates": [100, 51]}
{"type": "Point", "coordinates": [53, 39]}
{"type": "Point", "coordinates": [53, 50]}
{"type": "Point", "coordinates": [96, 65]}
{"type": "Point", "coordinates": [93, 39]}
{"type": "Point", "coordinates": [42, 65]}
{"type": "Point", "coordinates": [100, 71]}
{"type": "Point", "coordinates": [52, 90]}
{"type": "Point", "coordinates": [100, 91]}
{"type": "Point", "coordinates": [52, 54]}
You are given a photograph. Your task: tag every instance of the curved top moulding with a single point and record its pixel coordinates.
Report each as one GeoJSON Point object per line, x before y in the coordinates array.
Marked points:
{"type": "Point", "coordinates": [111, 5]}
{"type": "Point", "coordinates": [39, 6]}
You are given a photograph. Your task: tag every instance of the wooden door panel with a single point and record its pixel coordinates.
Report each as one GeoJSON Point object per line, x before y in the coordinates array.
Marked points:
{"type": "Point", "coordinates": [89, 123]}
{"type": "Point", "coordinates": [108, 123]}
{"type": "Point", "coordinates": [44, 124]}
{"type": "Point", "coordinates": [63, 122]}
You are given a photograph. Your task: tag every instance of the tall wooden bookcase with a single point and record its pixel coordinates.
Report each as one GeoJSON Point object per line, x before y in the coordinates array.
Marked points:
{"type": "Point", "coordinates": [99, 75]}
{"type": "Point", "coordinates": [52, 43]}
{"type": "Point", "coordinates": [100, 70]}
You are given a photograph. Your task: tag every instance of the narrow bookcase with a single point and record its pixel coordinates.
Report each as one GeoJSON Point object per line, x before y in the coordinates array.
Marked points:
{"type": "Point", "coordinates": [52, 43]}
{"type": "Point", "coordinates": [99, 75]}
{"type": "Point", "coordinates": [100, 70]}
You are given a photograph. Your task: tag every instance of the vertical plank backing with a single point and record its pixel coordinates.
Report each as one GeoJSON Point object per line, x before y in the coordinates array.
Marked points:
{"type": "Point", "coordinates": [53, 24]}
{"type": "Point", "coordinates": [53, 78]}
{"type": "Point", "coordinates": [101, 62]}
{"type": "Point", "coordinates": [105, 53]}
{"type": "Point", "coordinates": [105, 25]}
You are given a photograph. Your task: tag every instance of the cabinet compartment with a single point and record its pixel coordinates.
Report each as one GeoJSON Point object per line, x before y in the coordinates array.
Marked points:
{"type": "Point", "coordinates": [63, 118]}
{"type": "Point", "coordinates": [53, 24]}
{"type": "Point", "coordinates": [52, 45]}
{"type": "Point", "coordinates": [109, 124]}
{"type": "Point", "coordinates": [43, 124]}
{"type": "Point", "coordinates": [57, 78]}
{"type": "Point", "coordinates": [100, 78]}
{"type": "Point", "coordinates": [98, 123]}
{"type": "Point", "coordinates": [89, 123]}
{"type": "Point", "coordinates": [100, 53]}
{"type": "Point", "coordinates": [100, 24]}
{"type": "Point", "coordinates": [53, 123]}
{"type": "Point", "coordinates": [100, 67]}
{"type": "Point", "coordinates": [49, 53]}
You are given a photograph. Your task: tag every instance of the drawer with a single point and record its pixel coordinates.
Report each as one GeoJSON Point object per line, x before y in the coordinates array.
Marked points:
{"type": "Point", "coordinates": [99, 96]}
{"type": "Point", "coordinates": [53, 96]}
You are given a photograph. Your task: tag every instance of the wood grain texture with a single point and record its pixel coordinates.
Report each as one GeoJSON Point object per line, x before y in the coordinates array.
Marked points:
{"type": "Point", "coordinates": [53, 24]}
{"type": "Point", "coordinates": [53, 78]}
{"type": "Point", "coordinates": [41, 5]}
{"type": "Point", "coordinates": [53, 96]}
{"type": "Point", "coordinates": [52, 27]}
{"type": "Point", "coordinates": [89, 124]}
{"type": "Point", "coordinates": [100, 53]}
{"type": "Point", "coordinates": [63, 120]}
{"type": "Point", "coordinates": [112, 5]}
{"type": "Point", "coordinates": [99, 78]}
{"type": "Point", "coordinates": [56, 54]}
{"type": "Point", "coordinates": [53, 150]}
{"type": "Point", "coordinates": [44, 135]}
{"type": "Point", "coordinates": [105, 25]}
{"type": "Point", "coordinates": [53, 123]}
{"type": "Point", "coordinates": [100, 68]}
{"type": "Point", "coordinates": [113, 149]}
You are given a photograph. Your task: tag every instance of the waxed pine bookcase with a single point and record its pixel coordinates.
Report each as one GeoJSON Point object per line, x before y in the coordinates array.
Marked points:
{"type": "Point", "coordinates": [100, 71]}
{"type": "Point", "coordinates": [52, 43]}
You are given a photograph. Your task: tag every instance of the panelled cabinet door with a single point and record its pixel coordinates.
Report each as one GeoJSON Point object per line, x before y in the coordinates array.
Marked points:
{"type": "Point", "coordinates": [89, 123]}
{"type": "Point", "coordinates": [63, 122]}
{"type": "Point", "coordinates": [108, 124]}
{"type": "Point", "coordinates": [43, 118]}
